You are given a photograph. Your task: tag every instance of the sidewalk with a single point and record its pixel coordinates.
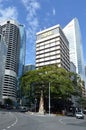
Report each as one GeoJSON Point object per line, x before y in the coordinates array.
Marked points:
{"type": "Point", "coordinates": [38, 114]}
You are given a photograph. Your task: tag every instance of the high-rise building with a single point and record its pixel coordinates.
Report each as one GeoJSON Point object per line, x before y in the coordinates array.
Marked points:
{"type": "Point", "coordinates": [22, 50]}
{"type": "Point", "coordinates": [28, 68]}
{"type": "Point", "coordinates": [52, 47]}
{"type": "Point", "coordinates": [3, 53]}
{"type": "Point", "coordinates": [72, 67]}
{"type": "Point", "coordinates": [85, 77]}
{"type": "Point", "coordinates": [72, 32]}
{"type": "Point", "coordinates": [11, 33]}
{"type": "Point", "coordinates": [85, 70]}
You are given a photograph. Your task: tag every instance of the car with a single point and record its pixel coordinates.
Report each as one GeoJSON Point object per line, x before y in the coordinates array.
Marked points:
{"type": "Point", "coordinates": [79, 115]}
{"type": "Point", "coordinates": [84, 111]}
{"type": "Point", "coordinates": [23, 109]}
{"type": "Point", "coordinates": [69, 114]}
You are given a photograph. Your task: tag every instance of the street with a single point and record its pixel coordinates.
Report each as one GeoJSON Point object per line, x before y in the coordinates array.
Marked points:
{"type": "Point", "coordinates": [22, 121]}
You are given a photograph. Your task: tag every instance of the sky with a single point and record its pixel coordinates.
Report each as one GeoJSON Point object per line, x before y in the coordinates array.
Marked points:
{"type": "Point", "coordinates": [37, 15]}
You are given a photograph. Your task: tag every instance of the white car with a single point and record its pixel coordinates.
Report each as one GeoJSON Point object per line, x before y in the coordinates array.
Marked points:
{"type": "Point", "coordinates": [79, 115]}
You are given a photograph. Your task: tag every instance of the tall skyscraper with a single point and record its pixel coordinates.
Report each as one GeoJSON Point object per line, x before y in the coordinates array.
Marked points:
{"type": "Point", "coordinates": [11, 33]}
{"type": "Point", "coordinates": [3, 53]}
{"type": "Point", "coordinates": [52, 47]}
{"type": "Point", "coordinates": [73, 34]}
{"type": "Point", "coordinates": [22, 50]}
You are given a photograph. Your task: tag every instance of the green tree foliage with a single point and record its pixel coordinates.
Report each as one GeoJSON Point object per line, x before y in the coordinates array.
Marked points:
{"type": "Point", "coordinates": [83, 102]}
{"type": "Point", "coordinates": [77, 83]}
{"type": "Point", "coordinates": [60, 81]}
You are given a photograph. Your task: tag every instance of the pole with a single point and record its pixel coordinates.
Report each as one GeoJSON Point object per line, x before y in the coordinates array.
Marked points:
{"type": "Point", "coordinates": [35, 104]}
{"type": "Point", "coordinates": [49, 98]}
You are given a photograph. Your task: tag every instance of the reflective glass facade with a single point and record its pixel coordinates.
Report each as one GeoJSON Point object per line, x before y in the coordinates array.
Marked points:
{"type": "Point", "coordinates": [22, 50]}
{"type": "Point", "coordinates": [28, 68]}
{"type": "Point", "coordinates": [72, 32]}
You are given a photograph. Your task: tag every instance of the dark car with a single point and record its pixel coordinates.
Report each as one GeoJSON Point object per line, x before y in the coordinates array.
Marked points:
{"type": "Point", "coordinates": [23, 109]}
{"type": "Point", "coordinates": [8, 107]}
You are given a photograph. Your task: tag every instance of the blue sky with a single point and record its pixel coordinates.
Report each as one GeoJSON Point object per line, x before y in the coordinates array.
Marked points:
{"type": "Point", "coordinates": [37, 15]}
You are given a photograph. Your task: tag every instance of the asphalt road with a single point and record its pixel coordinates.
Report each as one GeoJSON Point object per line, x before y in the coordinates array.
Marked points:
{"type": "Point", "coordinates": [22, 121]}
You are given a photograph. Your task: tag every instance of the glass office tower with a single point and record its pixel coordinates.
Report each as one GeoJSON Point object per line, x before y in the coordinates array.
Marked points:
{"type": "Point", "coordinates": [22, 50]}
{"type": "Point", "coordinates": [10, 31]}
{"type": "Point", "coordinates": [72, 32]}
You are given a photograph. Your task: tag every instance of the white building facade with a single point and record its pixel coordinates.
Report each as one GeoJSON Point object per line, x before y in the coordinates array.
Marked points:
{"type": "Point", "coordinates": [3, 53]}
{"type": "Point", "coordinates": [52, 47]}
{"type": "Point", "coordinates": [10, 31]}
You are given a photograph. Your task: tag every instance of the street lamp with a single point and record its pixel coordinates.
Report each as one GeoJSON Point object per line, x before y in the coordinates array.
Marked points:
{"type": "Point", "coordinates": [49, 99]}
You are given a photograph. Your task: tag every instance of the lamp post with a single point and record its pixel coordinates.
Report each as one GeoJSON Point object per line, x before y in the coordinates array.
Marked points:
{"type": "Point", "coordinates": [49, 99]}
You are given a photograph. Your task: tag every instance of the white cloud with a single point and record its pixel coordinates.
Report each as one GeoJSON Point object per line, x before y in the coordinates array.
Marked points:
{"type": "Point", "coordinates": [32, 20]}
{"type": "Point", "coordinates": [10, 12]}
{"type": "Point", "coordinates": [54, 11]}
{"type": "Point", "coordinates": [31, 6]}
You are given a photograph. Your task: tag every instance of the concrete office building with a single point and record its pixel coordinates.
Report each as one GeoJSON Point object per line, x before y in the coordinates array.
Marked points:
{"type": "Point", "coordinates": [72, 32]}
{"type": "Point", "coordinates": [11, 35]}
{"type": "Point", "coordinates": [52, 47]}
{"type": "Point", "coordinates": [3, 53]}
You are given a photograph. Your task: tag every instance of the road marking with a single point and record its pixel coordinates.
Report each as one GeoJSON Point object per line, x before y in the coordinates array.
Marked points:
{"type": "Point", "coordinates": [8, 127]}
{"type": "Point", "coordinates": [12, 123]}
{"type": "Point", "coordinates": [61, 121]}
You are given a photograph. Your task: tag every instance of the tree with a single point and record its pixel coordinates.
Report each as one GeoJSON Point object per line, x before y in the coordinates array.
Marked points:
{"type": "Point", "coordinates": [82, 102]}
{"type": "Point", "coordinates": [59, 78]}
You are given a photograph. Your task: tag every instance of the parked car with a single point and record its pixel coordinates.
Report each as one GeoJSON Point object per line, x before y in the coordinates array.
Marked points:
{"type": "Point", "coordinates": [79, 115]}
{"type": "Point", "coordinates": [23, 109]}
{"type": "Point", "coordinates": [84, 111]}
{"type": "Point", "coordinates": [69, 114]}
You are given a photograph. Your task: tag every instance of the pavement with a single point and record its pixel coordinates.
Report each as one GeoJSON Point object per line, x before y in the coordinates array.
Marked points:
{"type": "Point", "coordinates": [40, 114]}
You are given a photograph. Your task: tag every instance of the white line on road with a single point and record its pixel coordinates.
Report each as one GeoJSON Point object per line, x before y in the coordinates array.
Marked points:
{"type": "Point", "coordinates": [16, 120]}
{"type": "Point", "coordinates": [8, 127]}
{"type": "Point", "coordinates": [61, 121]}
